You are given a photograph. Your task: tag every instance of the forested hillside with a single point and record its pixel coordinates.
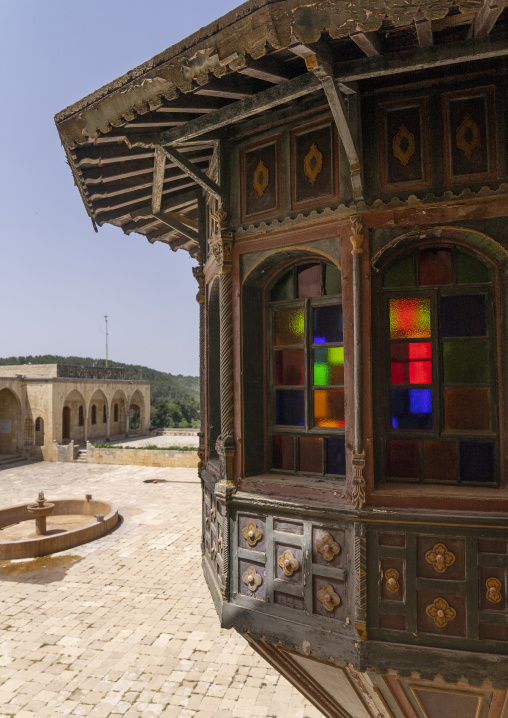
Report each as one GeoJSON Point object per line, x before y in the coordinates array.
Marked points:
{"type": "Point", "coordinates": [175, 399]}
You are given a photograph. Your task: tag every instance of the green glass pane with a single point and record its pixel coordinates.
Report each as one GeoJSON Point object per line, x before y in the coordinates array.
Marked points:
{"type": "Point", "coordinates": [410, 318]}
{"type": "Point", "coordinates": [401, 274]}
{"type": "Point", "coordinates": [289, 326]}
{"type": "Point", "coordinates": [466, 362]}
{"type": "Point", "coordinates": [470, 269]}
{"type": "Point", "coordinates": [333, 280]}
{"type": "Point", "coordinates": [283, 288]}
{"type": "Point", "coordinates": [329, 366]}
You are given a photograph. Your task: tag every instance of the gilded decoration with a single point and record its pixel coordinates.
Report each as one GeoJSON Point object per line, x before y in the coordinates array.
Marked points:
{"type": "Point", "coordinates": [252, 579]}
{"type": "Point", "coordinates": [406, 137]}
{"type": "Point", "coordinates": [252, 534]}
{"type": "Point", "coordinates": [441, 612]}
{"type": "Point", "coordinates": [213, 511]}
{"type": "Point", "coordinates": [260, 179]}
{"type": "Point", "coordinates": [328, 598]}
{"type": "Point", "coordinates": [392, 580]}
{"type": "Point", "coordinates": [440, 558]}
{"type": "Point", "coordinates": [313, 163]}
{"type": "Point", "coordinates": [288, 563]}
{"type": "Point", "coordinates": [494, 594]}
{"type": "Point", "coordinates": [468, 136]}
{"type": "Point", "coordinates": [214, 550]}
{"type": "Point", "coordinates": [327, 547]}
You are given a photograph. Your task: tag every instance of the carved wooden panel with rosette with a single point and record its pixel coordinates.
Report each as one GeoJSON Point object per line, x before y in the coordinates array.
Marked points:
{"type": "Point", "coordinates": [404, 152]}
{"type": "Point", "coordinates": [314, 165]}
{"type": "Point", "coordinates": [260, 180]}
{"type": "Point", "coordinates": [469, 136]}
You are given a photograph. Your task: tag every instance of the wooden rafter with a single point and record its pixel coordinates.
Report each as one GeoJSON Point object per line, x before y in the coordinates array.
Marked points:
{"type": "Point", "coordinates": [423, 28]}
{"type": "Point", "coordinates": [192, 171]}
{"type": "Point", "coordinates": [368, 42]}
{"type": "Point", "coordinates": [487, 17]}
{"type": "Point", "coordinates": [179, 223]}
{"type": "Point", "coordinates": [159, 169]}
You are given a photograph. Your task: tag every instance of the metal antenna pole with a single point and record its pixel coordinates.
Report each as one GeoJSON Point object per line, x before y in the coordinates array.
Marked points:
{"type": "Point", "coordinates": [106, 318]}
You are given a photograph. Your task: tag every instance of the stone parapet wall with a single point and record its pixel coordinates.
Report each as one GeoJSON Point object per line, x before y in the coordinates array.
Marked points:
{"type": "Point", "coordinates": [142, 457]}
{"type": "Point", "coordinates": [90, 372]}
{"type": "Point", "coordinates": [30, 370]}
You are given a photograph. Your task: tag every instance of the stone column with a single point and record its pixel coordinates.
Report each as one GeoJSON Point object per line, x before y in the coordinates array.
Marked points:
{"type": "Point", "coordinates": [127, 405]}
{"type": "Point", "coordinates": [85, 421]}
{"type": "Point", "coordinates": [222, 248]}
{"type": "Point", "coordinates": [357, 238]}
{"type": "Point", "coordinates": [108, 423]}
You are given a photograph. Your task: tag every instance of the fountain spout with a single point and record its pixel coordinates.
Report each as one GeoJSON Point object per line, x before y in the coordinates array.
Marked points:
{"type": "Point", "coordinates": [39, 511]}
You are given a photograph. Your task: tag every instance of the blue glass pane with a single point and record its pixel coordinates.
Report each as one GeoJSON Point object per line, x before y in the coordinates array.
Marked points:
{"type": "Point", "coordinates": [463, 316]}
{"type": "Point", "coordinates": [336, 456]}
{"type": "Point", "coordinates": [290, 407]}
{"type": "Point", "coordinates": [477, 461]}
{"type": "Point", "coordinates": [411, 409]}
{"type": "Point", "coordinates": [327, 324]}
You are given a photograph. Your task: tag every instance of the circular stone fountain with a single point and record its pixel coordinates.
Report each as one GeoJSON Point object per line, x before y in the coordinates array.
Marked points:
{"type": "Point", "coordinates": [59, 525]}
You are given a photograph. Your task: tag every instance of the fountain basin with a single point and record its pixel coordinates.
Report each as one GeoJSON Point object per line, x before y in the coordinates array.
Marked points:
{"type": "Point", "coordinates": [52, 543]}
{"type": "Point", "coordinates": [40, 511]}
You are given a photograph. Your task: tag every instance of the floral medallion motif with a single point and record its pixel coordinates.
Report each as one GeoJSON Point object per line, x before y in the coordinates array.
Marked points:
{"type": "Point", "coordinates": [288, 563]}
{"type": "Point", "coordinates": [313, 163]}
{"type": "Point", "coordinates": [260, 178]}
{"type": "Point", "coordinates": [403, 145]}
{"type": "Point", "coordinates": [252, 534]}
{"type": "Point", "coordinates": [327, 547]}
{"type": "Point", "coordinates": [441, 612]}
{"type": "Point", "coordinates": [468, 136]}
{"type": "Point", "coordinates": [252, 579]}
{"type": "Point", "coordinates": [494, 594]}
{"type": "Point", "coordinates": [392, 580]}
{"type": "Point", "coordinates": [328, 597]}
{"type": "Point", "coordinates": [440, 557]}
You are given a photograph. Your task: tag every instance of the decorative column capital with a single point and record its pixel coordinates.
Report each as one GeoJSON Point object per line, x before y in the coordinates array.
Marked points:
{"type": "Point", "coordinates": [199, 276]}
{"type": "Point", "coordinates": [225, 447]}
{"type": "Point", "coordinates": [221, 246]}
{"type": "Point", "coordinates": [357, 236]}
{"type": "Point", "coordinates": [358, 481]}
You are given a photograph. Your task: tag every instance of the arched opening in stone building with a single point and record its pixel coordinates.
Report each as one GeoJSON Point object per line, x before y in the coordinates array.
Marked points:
{"type": "Point", "coordinates": [10, 417]}
{"type": "Point", "coordinates": [98, 415]}
{"type": "Point", "coordinates": [136, 412]}
{"type": "Point", "coordinates": [29, 431]}
{"type": "Point", "coordinates": [72, 429]}
{"type": "Point", "coordinates": [118, 414]}
{"type": "Point", "coordinates": [39, 431]}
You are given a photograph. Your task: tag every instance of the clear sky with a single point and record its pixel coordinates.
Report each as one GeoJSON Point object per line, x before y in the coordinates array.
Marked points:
{"type": "Point", "coordinates": [58, 277]}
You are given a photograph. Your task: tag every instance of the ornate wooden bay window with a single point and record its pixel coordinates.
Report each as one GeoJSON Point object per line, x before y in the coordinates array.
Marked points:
{"type": "Point", "coordinates": [440, 417]}
{"type": "Point", "coordinates": [306, 371]}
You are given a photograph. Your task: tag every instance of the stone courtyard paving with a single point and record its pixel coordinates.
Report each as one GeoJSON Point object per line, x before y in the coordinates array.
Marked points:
{"type": "Point", "coordinates": [124, 626]}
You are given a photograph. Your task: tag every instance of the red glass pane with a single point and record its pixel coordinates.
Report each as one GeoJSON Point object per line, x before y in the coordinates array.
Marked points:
{"type": "Point", "coordinates": [309, 280]}
{"type": "Point", "coordinates": [410, 363]}
{"type": "Point", "coordinates": [398, 372]}
{"type": "Point", "coordinates": [290, 367]}
{"type": "Point", "coordinates": [283, 453]}
{"type": "Point", "coordinates": [419, 350]}
{"type": "Point", "coordinates": [467, 409]}
{"type": "Point", "coordinates": [435, 267]}
{"type": "Point", "coordinates": [311, 454]}
{"type": "Point", "coordinates": [420, 372]}
{"type": "Point", "coordinates": [402, 459]}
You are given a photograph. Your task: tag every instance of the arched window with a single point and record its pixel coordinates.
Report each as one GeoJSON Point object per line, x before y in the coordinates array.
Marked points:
{"type": "Point", "coordinates": [94, 414]}
{"type": "Point", "coordinates": [305, 416]}
{"type": "Point", "coordinates": [29, 431]}
{"type": "Point", "coordinates": [81, 418]}
{"type": "Point", "coordinates": [39, 431]}
{"type": "Point", "coordinates": [115, 413]}
{"type": "Point", "coordinates": [104, 414]}
{"type": "Point", "coordinates": [439, 375]}
{"type": "Point", "coordinates": [66, 422]}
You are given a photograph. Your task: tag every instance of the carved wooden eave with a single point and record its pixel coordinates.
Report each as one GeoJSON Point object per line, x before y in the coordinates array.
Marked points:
{"type": "Point", "coordinates": [237, 67]}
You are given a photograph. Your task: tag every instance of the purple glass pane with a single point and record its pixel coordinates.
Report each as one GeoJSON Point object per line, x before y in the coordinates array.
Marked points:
{"type": "Point", "coordinates": [309, 280]}
{"type": "Point", "coordinates": [290, 407]}
{"type": "Point", "coordinates": [336, 456]}
{"type": "Point", "coordinates": [411, 409]}
{"type": "Point", "coordinates": [477, 461]}
{"type": "Point", "coordinates": [327, 324]}
{"type": "Point", "coordinates": [402, 459]}
{"type": "Point", "coordinates": [463, 316]}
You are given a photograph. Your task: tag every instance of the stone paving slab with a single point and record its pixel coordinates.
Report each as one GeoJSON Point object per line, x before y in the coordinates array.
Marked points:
{"type": "Point", "coordinates": [124, 626]}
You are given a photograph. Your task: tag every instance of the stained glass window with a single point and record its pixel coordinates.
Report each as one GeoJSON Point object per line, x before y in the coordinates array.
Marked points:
{"type": "Point", "coordinates": [307, 416]}
{"type": "Point", "coordinates": [441, 413]}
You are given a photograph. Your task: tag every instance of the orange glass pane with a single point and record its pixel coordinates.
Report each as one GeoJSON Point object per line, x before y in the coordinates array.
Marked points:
{"type": "Point", "coordinates": [410, 318]}
{"type": "Point", "coordinates": [311, 454]}
{"type": "Point", "coordinates": [467, 409]}
{"type": "Point", "coordinates": [329, 408]}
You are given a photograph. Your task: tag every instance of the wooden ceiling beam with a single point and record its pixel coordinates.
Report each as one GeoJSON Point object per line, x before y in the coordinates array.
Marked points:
{"type": "Point", "coordinates": [159, 169]}
{"type": "Point", "coordinates": [187, 110]}
{"type": "Point", "coordinates": [192, 171]}
{"type": "Point", "coordinates": [121, 213]}
{"type": "Point", "coordinates": [263, 74]}
{"type": "Point", "coordinates": [101, 175]}
{"type": "Point", "coordinates": [178, 223]}
{"type": "Point", "coordinates": [104, 199]}
{"type": "Point", "coordinates": [155, 123]}
{"type": "Point", "coordinates": [223, 93]}
{"type": "Point", "coordinates": [178, 202]}
{"type": "Point", "coordinates": [368, 42]}
{"type": "Point", "coordinates": [487, 17]}
{"type": "Point", "coordinates": [96, 156]}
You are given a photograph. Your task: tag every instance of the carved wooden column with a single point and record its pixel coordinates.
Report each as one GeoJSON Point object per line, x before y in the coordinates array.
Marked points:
{"type": "Point", "coordinates": [358, 453]}
{"type": "Point", "coordinates": [200, 298]}
{"type": "Point", "coordinates": [222, 248]}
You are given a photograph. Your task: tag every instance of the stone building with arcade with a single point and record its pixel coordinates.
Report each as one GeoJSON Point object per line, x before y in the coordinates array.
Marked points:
{"type": "Point", "coordinates": [44, 406]}
{"type": "Point", "coordinates": [339, 172]}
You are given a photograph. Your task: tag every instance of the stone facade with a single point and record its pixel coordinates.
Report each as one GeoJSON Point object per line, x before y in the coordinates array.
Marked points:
{"type": "Point", "coordinates": [40, 409]}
